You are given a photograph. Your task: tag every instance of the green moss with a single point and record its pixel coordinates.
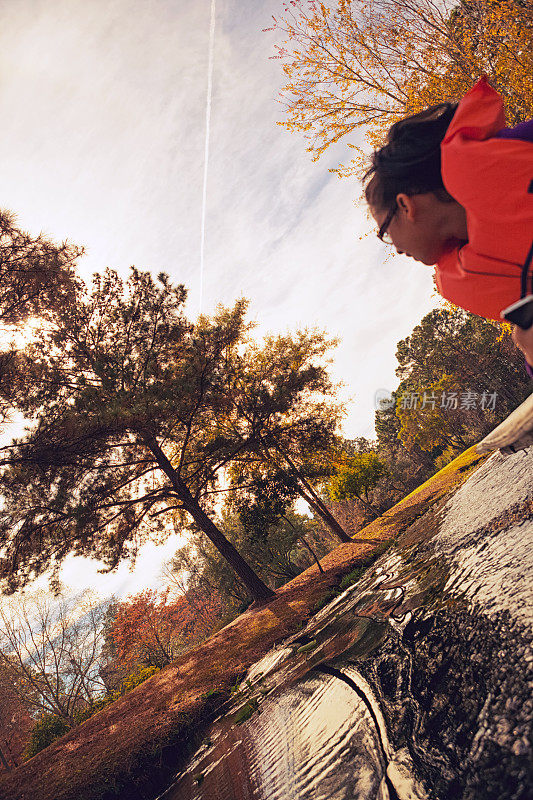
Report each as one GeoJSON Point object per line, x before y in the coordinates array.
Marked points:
{"type": "Point", "coordinates": [352, 577]}
{"type": "Point", "coordinates": [305, 648]}
{"type": "Point", "coordinates": [244, 713]}
{"type": "Point", "coordinates": [323, 602]}
{"type": "Point", "coordinates": [212, 694]}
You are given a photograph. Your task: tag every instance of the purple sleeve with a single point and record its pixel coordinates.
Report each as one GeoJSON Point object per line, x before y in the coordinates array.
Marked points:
{"type": "Point", "coordinates": [524, 131]}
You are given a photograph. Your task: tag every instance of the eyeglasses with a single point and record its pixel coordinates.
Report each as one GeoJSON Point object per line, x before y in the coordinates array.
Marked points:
{"type": "Point", "coordinates": [383, 234]}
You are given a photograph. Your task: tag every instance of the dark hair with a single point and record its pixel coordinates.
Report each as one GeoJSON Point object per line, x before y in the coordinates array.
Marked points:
{"type": "Point", "coordinates": [409, 162]}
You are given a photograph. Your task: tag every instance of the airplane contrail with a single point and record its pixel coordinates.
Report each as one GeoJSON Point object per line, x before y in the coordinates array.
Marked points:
{"type": "Point", "coordinates": [206, 150]}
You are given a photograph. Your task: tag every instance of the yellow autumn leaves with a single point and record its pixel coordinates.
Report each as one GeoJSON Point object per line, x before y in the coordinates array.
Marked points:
{"type": "Point", "coordinates": [356, 64]}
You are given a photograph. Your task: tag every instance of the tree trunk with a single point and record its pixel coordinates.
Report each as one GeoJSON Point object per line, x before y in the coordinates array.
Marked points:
{"type": "Point", "coordinates": [304, 541]}
{"type": "Point", "coordinates": [4, 761]}
{"type": "Point", "coordinates": [368, 505]}
{"type": "Point", "coordinates": [251, 580]}
{"type": "Point", "coordinates": [258, 590]}
{"type": "Point", "coordinates": [311, 497]}
{"type": "Point", "coordinates": [325, 514]}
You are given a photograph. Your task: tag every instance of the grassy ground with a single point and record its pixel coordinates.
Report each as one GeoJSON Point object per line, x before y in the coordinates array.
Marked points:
{"type": "Point", "coordinates": [131, 748]}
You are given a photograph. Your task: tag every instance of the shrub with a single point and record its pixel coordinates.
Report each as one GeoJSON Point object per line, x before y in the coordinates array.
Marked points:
{"type": "Point", "coordinates": [48, 728]}
{"type": "Point", "coordinates": [138, 676]}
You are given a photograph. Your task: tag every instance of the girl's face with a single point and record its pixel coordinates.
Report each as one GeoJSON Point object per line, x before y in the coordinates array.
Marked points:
{"type": "Point", "coordinates": [418, 227]}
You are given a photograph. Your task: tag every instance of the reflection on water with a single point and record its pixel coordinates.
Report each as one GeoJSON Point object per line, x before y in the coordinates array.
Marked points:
{"type": "Point", "coordinates": [324, 738]}
{"type": "Point", "coordinates": [312, 761]}
{"type": "Point", "coordinates": [415, 683]}
{"type": "Point", "coordinates": [486, 537]}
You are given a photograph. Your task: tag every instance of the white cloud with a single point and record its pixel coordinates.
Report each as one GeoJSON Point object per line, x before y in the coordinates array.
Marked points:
{"type": "Point", "coordinates": [102, 139]}
{"type": "Point", "coordinates": [79, 573]}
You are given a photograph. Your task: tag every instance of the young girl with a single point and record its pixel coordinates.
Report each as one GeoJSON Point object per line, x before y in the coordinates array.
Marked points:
{"type": "Point", "coordinates": [453, 187]}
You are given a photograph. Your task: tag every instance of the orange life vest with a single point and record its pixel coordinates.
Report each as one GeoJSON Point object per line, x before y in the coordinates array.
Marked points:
{"type": "Point", "coordinates": [492, 178]}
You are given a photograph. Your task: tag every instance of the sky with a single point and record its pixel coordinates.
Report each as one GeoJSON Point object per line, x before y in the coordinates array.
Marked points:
{"type": "Point", "coordinates": [102, 142]}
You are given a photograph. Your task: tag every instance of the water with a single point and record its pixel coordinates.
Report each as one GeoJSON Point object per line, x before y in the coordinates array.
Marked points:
{"type": "Point", "coordinates": [415, 683]}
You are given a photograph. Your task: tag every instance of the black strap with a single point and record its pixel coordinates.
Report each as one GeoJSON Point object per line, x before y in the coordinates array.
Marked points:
{"type": "Point", "coordinates": [527, 262]}
{"type": "Point", "coordinates": [525, 270]}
